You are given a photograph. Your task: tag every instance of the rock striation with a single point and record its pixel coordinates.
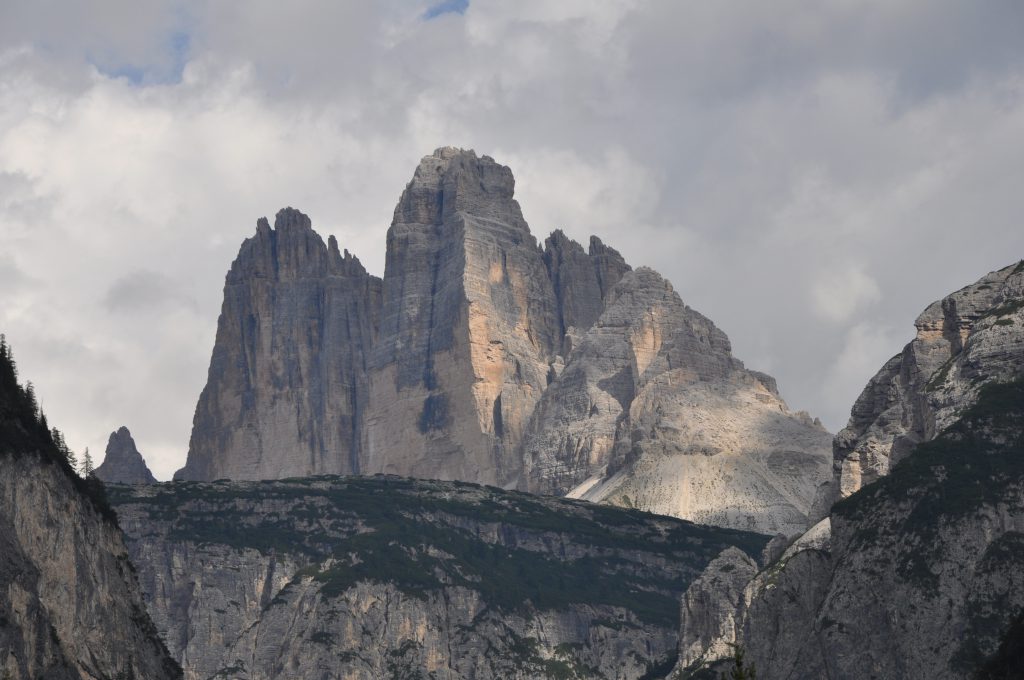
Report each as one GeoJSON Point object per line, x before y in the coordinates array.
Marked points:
{"type": "Point", "coordinates": [380, 577]}
{"type": "Point", "coordinates": [70, 605]}
{"type": "Point", "coordinates": [653, 411]}
{"type": "Point", "coordinates": [469, 328]}
{"type": "Point", "coordinates": [916, 572]}
{"type": "Point", "coordinates": [287, 384]}
{"type": "Point", "coordinates": [123, 463]}
{"type": "Point", "coordinates": [483, 357]}
{"type": "Point", "coordinates": [965, 340]}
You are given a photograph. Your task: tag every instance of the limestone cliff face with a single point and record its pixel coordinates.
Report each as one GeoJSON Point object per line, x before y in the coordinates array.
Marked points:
{"type": "Point", "coordinates": [965, 340]}
{"type": "Point", "coordinates": [380, 577]}
{"type": "Point", "coordinates": [123, 463]}
{"type": "Point", "coordinates": [653, 411]}
{"type": "Point", "coordinates": [70, 606]}
{"type": "Point", "coordinates": [916, 573]}
{"type": "Point", "coordinates": [483, 357]}
{"type": "Point", "coordinates": [470, 326]}
{"type": "Point", "coordinates": [287, 384]}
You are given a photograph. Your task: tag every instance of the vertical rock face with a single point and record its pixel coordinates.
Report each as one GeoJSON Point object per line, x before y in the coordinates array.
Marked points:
{"type": "Point", "coordinates": [287, 384]}
{"type": "Point", "coordinates": [965, 340]}
{"type": "Point", "coordinates": [709, 619]}
{"type": "Point", "coordinates": [653, 411]}
{"type": "Point", "coordinates": [70, 607]}
{"type": "Point", "coordinates": [482, 357]}
{"type": "Point", "coordinates": [581, 280]}
{"type": "Point", "coordinates": [383, 577]}
{"type": "Point", "coordinates": [932, 466]}
{"type": "Point", "coordinates": [123, 463]}
{"type": "Point", "coordinates": [469, 329]}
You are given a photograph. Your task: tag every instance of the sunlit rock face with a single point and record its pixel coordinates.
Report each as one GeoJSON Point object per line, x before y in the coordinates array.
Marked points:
{"type": "Point", "coordinates": [482, 356]}
{"type": "Point", "coordinates": [653, 411]}
{"type": "Point", "coordinates": [470, 326]}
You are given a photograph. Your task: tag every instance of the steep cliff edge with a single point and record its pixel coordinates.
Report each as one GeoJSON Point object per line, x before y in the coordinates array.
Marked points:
{"type": "Point", "coordinates": [653, 411]}
{"type": "Point", "coordinates": [70, 607]}
{"type": "Point", "coordinates": [287, 383]}
{"type": "Point", "coordinates": [469, 329]}
{"type": "Point", "coordinates": [919, 573]}
{"type": "Point", "coordinates": [483, 357]}
{"type": "Point", "coordinates": [372, 577]}
{"type": "Point", "coordinates": [964, 341]}
{"type": "Point", "coordinates": [123, 463]}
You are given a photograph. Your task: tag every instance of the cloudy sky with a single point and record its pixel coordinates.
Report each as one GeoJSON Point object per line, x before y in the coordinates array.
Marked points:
{"type": "Point", "coordinates": [808, 174]}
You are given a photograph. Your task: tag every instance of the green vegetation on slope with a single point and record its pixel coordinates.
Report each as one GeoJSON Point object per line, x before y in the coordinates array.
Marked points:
{"type": "Point", "coordinates": [977, 462]}
{"type": "Point", "coordinates": [520, 552]}
{"type": "Point", "coordinates": [25, 432]}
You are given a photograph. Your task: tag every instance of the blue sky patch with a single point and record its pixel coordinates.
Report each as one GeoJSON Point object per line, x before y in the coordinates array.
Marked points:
{"type": "Point", "coordinates": [164, 69]}
{"type": "Point", "coordinates": [446, 7]}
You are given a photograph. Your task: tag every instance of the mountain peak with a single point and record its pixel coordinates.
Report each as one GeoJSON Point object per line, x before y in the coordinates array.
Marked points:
{"type": "Point", "coordinates": [123, 463]}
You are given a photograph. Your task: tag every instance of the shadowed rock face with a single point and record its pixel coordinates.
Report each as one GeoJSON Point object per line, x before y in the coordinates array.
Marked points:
{"type": "Point", "coordinates": [964, 340]}
{"type": "Point", "coordinates": [70, 604]}
{"type": "Point", "coordinates": [482, 357]}
{"type": "Point", "coordinates": [385, 577]}
{"type": "Point", "coordinates": [123, 463]}
{"type": "Point", "coordinates": [287, 384]}
{"type": "Point", "coordinates": [916, 572]}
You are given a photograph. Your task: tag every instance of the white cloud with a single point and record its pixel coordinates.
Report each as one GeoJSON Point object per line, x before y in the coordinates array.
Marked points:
{"type": "Point", "coordinates": [802, 172]}
{"type": "Point", "coordinates": [842, 292]}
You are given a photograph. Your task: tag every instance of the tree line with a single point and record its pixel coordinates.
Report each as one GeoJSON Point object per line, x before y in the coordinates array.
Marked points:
{"type": "Point", "coordinates": [21, 405]}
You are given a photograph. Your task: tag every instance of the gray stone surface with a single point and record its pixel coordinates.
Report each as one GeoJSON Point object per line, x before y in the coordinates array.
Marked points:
{"type": "Point", "coordinates": [123, 463]}
{"type": "Point", "coordinates": [964, 340]}
{"type": "Point", "coordinates": [287, 385]}
{"type": "Point", "coordinates": [652, 411]}
{"type": "Point", "coordinates": [469, 328]}
{"type": "Point", "coordinates": [261, 581]}
{"type": "Point", "coordinates": [483, 357]}
{"type": "Point", "coordinates": [709, 618]}
{"type": "Point", "coordinates": [70, 605]}
{"type": "Point", "coordinates": [917, 573]}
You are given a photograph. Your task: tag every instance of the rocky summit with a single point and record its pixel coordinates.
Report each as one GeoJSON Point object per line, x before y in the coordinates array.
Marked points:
{"type": "Point", "coordinates": [916, 572]}
{"type": "Point", "coordinates": [123, 463]}
{"type": "Point", "coordinates": [483, 357]}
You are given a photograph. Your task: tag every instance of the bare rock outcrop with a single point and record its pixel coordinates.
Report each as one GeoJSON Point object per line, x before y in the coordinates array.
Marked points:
{"type": "Point", "coordinates": [709, 619]}
{"type": "Point", "coordinates": [123, 463]}
{"type": "Point", "coordinates": [469, 328]}
{"type": "Point", "coordinates": [485, 358]}
{"type": "Point", "coordinates": [653, 411]}
{"type": "Point", "coordinates": [287, 384]}
{"type": "Point", "coordinates": [385, 577]}
{"type": "Point", "coordinates": [916, 573]}
{"type": "Point", "coordinates": [964, 341]}
{"type": "Point", "coordinates": [70, 604]}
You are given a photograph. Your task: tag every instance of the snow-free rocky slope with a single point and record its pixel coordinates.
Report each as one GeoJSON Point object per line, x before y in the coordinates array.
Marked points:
{"type": "Point", "coordinates": [919, 571]}
{"type": "Point", "coordinates": [70, 605]}
{"type": "Point", "coordinates": [123, 463]}
{"type": "Point", "coordinates": [483, 357]}
{"type": "Point", "coordinates": [386, 577]}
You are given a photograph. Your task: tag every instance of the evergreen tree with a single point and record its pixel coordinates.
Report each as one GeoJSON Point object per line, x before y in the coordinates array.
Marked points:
{"type": "Point", "coordinates": [739, 670]}
{"type": "Point", "coordinates": [87, 467]}
{"type": "Point", "coordinates": [30, 395]}
{"type": "Point", "coordinates": [73, 459]}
